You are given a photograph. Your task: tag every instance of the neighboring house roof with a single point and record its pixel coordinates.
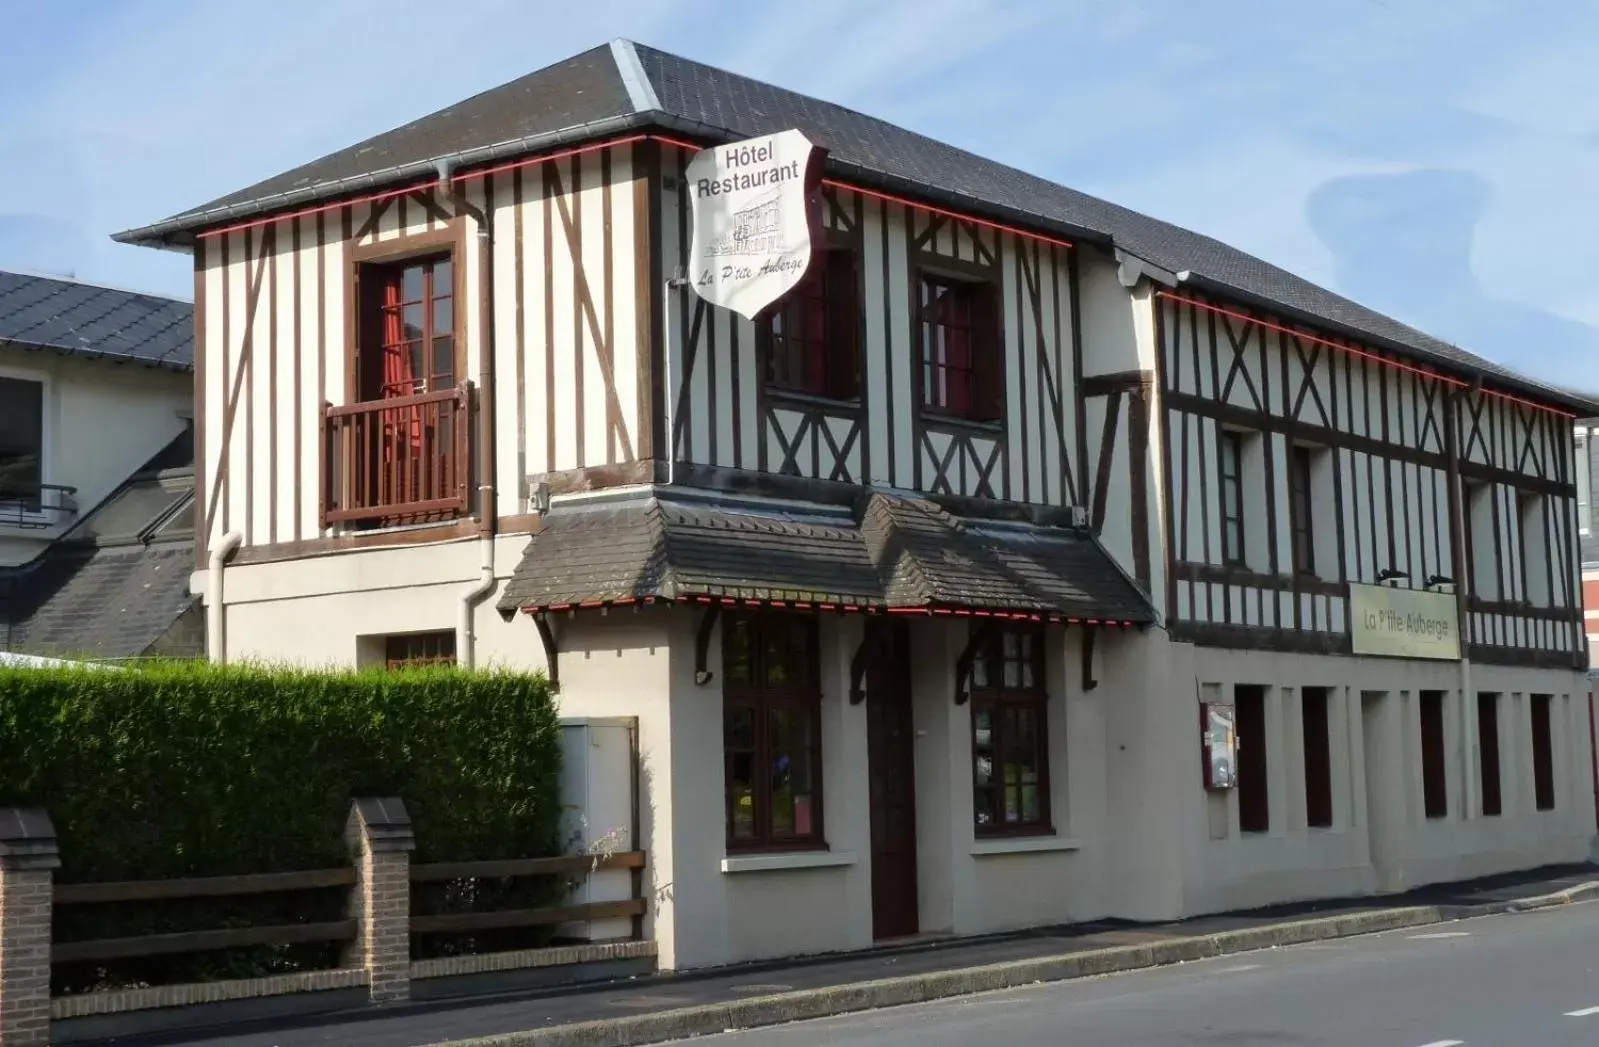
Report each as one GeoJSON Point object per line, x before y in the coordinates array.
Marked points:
{"type": "Point", "coordinates": [627, 87]}
{"type": "Point", "coordinates": [51, 314]}
{"type": "Point", "coordinates": [114, 585]}
{"type": "Point", "coordinates": [889, 552]}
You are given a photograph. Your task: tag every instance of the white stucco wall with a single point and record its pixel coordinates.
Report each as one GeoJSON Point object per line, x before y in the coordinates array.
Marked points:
{"type": "Point", "coordinates": [1136, 835]}
{"type": "Point", "coordinates": [1381, 839]}
{"type": "Point", "coordinates": [102, 421]}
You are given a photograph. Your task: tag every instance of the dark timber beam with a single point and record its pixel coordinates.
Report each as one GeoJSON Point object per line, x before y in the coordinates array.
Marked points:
{"type": "Point", "coordinates": [963, 664]}
{"type": "Point", "coordinates": [541, 621]}
{"type": "Point", "coordinates": [702, 643]}
{"type": "Point", "coordinates": [1089, 683]}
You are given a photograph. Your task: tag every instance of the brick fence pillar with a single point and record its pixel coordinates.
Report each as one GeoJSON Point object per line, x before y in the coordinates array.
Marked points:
{"type": "Point", "coordinates": [28, 853]}
{"type": "Point", "coordinates": [379, 834]}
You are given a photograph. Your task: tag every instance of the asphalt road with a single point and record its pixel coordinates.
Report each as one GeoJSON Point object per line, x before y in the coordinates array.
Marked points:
{"type": "Point", "coordinates": [1506, 981]}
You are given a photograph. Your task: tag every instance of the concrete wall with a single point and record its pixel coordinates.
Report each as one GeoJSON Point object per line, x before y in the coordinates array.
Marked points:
{"type": "Point", "coordinates": [102, 421]}
{"type": "Point", "coordinates": [1381, 839]}
{"type": "Point", "coordinates": [1136, 835]}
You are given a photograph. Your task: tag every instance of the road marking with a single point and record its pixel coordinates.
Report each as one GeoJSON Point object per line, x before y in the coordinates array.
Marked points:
{"type": "Point", "coordinates": [1444, 1043]}
{"type": "Point", "coordinates": [1440, 934]}
{"type": "Point", "coordinates": [1584, 1013]}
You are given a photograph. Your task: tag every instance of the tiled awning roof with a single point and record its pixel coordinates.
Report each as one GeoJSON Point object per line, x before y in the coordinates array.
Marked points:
{"type": "Point", "coordinates": [890, 554]}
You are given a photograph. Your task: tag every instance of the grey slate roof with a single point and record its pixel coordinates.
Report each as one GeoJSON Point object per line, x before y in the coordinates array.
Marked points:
{"type": "Point", "coordinates": [115, 584]}
{"type": "Point", "coordinates": [49, 314]}
{"type": "Point", "coordinates": [628, 86]}
{"type": "Point", "coordinates": [891, 552]}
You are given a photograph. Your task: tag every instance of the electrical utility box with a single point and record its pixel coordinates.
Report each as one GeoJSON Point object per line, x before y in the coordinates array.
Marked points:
{"type": "Point", "coordinates": [599, 814]}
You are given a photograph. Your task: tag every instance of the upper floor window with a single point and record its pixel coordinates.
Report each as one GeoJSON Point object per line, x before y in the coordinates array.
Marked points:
{"type": "Point", "coordinates": [1482, 547]}
{"type": "Point", "coordinates": [962, 373]}
{"type": "Point", "coordinates": [1010, 739]}
{"type": "Point", "coordinates": [1302, 518]}
{"type": "Point", "coordinates": [1232, 497]}
{"type": "Point", "coordinates": [771, 731]}
{"type": "Point", "coordinates": [407, 334]}
{"type": "Point", "coordinates": [21, 441]}
{"type": "Point", "coordinates": [814, 345]}
{"type": "Point", "coordinates": [1533, 528]}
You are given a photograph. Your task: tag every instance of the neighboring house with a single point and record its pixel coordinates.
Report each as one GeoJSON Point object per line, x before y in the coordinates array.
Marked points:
{"type": "Point", "coordinates": [96, 471]}
{"type": "Point", "coordinates": [1587, 472]}
{"type": "Point", "coordinates": [922, 586]}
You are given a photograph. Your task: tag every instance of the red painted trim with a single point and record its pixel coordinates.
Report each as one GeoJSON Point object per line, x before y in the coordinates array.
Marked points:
{"type": "Point", "coordinates": [1362, 353]}
{"type": "Point", "coordinates": [610, 144]}
{"type": "Point", "coordinates": [414, 187]}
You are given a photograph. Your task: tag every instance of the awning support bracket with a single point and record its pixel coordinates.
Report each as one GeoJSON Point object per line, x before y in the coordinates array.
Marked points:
{"type": "Point", "coordinates": [552, 654]}
{"type": "Point", "coordinates": [1089, 632]}
{"type": "Point", "coordinates": [702, 643]}
{"type": "Point", "coordinates": [963, 664]}
{"type": "Point", "coordinates": [865, 657]}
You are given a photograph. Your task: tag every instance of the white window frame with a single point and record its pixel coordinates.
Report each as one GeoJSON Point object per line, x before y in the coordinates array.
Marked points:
{"type": "Point", "coordinates": [47, 462]}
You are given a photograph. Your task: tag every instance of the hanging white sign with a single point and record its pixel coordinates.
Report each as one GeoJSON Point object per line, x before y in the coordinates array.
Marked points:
{"type": "Point", "coordinates": [755, 217]}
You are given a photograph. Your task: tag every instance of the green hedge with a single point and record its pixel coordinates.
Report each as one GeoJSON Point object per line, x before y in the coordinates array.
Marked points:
{"type": "Point", "coordinates": [184, 769]}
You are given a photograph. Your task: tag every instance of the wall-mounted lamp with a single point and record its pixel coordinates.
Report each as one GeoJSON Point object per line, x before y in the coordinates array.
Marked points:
{"type": "Point", "coordinates": [1434, 580]}
{"type": "Point", "coordinates": [1389, 574]}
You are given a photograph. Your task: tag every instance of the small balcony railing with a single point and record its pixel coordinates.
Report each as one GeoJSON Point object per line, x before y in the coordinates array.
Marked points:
{"type": "Point", "coordinates": [42, 506]}
{"type": "Point", "coordinates": [397, 461]}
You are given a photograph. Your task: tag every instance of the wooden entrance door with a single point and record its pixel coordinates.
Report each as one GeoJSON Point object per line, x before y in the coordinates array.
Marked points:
{"type": "Point", "coordinates": [891, 756]}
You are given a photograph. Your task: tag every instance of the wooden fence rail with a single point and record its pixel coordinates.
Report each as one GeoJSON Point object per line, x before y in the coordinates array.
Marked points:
{"type": "Point", "coordinates": [376, 911]}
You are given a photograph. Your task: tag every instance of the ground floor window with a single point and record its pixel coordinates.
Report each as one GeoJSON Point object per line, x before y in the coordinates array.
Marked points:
{"type": "Point", "coordinates": [771, 731]}
{"type": "Point", "coordinates": [1254, 798]}
{"type": "Point", "coordinates": [1543, 753]}
{"type": "Point", "coordinates": [1010, 739]}
{"type": "Point", "coordinates": [1488, 753]}
{"type": "Point", "coordinates": [1318, 757]}
{"type": "Point", "coordinates": [415, 650]}
{"type": "Point", "coordinates": [1434, 778]}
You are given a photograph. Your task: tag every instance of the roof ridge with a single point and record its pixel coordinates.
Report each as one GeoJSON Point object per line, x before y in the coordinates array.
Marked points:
{"type": "Point", "coordinates": [639, 89]}
{"type": "Point", "coordinates": [33, 274]}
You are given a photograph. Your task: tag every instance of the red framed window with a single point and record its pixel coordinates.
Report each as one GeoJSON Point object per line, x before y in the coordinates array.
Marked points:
{"type": "Point", "coordinates": [771, 731]}
{"type": "Point", "coordinates": [1010, 735]}
{"type": "Point", "coordinates": [416, 650]}
{"type": "Point", "coordinates": [962, 351]}
{"type": "Point", "coordinates": [813, 342]}
{"type": "Point", "coordinates": [407, 344]}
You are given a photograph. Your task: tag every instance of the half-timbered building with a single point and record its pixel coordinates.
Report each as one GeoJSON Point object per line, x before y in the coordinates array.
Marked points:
{"type": "Point", "coordinates": [921, 584]}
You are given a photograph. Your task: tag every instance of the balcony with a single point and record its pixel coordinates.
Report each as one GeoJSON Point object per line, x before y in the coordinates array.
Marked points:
{"type": "Point", "coordinates": [403, 460]}
{"type": "Point", "coordinates": [40, 506]}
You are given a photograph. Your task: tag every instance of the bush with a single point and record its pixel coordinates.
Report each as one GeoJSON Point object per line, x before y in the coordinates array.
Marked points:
{"type": "Point", "coordinates": [185, 769]}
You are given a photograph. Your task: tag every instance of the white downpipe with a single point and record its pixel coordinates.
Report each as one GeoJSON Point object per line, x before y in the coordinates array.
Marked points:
{"type": "Point", "coordinates": [465, 636]}
{"type": "Point", "coordinates": [216, 638]}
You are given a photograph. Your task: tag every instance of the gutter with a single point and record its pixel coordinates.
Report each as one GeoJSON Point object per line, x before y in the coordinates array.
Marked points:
{"type": "Point", "coordinates": [159, 363]}
{"type": "Point", "coordinates": [161, 233]}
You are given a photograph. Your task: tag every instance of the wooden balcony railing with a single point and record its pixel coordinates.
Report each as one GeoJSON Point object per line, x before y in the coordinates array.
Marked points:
{"type": "Point", "coordinates": [403, 460]}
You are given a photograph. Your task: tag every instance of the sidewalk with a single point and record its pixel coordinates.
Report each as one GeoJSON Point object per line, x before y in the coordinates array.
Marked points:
{"type": "Point", "coordinates": [669, 1006]}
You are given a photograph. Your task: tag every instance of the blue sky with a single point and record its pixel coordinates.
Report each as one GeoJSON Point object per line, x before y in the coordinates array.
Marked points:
{"type": "Point", "coordinates": [1436, 161]}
